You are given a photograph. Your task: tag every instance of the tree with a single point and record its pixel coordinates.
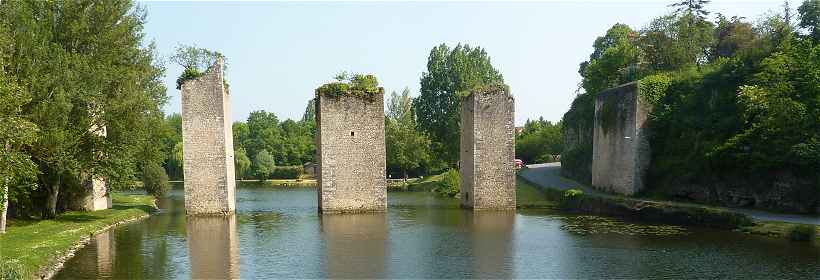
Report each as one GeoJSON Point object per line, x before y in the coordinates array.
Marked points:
{"type": "Point", "coordinates": [539, 141]}
{"type": "Point", "coordinates": [450, 73]}
{"type": "Point", "coordinates": [16, 134]}
{"type": "Point", "coordinates": [172, 139]}
{"type": "Point", "coordinates": [100, 75]}
{"type": "Point", "coordinates": [242, 163]}
{"type": "Point", "coordinates": [733, 36]}
{"type": "Point", "coordinates": [154, 180]}
{"type": "Point", "coordinates": [263, 165]}
{"type": "Point", "coordinates": [407, 148]}
{"type": "Point", "coordinates": [810, 17]}
{"type": "Point", "coordinates": [692, 7]}
{"type": "Point", "coordinates": [194, 61]}
{"type": "Point", "coordinates": [613, 61]}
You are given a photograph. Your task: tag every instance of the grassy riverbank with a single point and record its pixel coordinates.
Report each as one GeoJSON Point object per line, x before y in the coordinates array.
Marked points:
{"type": "Point", "coordinates": [30, 246]}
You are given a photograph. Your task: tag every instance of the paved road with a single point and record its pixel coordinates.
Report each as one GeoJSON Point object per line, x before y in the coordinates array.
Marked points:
{"type": "Point", "coordinates": [548, 175]}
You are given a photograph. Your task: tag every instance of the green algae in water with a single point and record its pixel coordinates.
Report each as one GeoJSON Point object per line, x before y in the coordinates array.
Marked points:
{"type": "Point", "coordinates": [587, 225]}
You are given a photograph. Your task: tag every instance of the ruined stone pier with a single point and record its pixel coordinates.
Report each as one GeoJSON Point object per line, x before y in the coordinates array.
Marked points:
{"type": "Point", "coordinates": [620, 145]}
{"type": "Point", "coordinates": [488, 149]}
{"type": "Point", "coordinates": [351, 153]}
{"type": "Point", "coordinates": [207, 140]}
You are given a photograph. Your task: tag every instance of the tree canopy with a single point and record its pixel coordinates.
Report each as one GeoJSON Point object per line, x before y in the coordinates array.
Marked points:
{"type": "Point", "coordinates": [450, 74]}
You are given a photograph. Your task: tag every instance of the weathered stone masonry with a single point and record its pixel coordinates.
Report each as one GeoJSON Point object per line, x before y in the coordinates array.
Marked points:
{"type": "Point", "coordinates": [488, 150]}
{"type": "Point", "coordinates": [351, 153]}
{"type": "Point", "coordinates": [620, 153]}
{"type": "Point", "coordinates": [208, 145]}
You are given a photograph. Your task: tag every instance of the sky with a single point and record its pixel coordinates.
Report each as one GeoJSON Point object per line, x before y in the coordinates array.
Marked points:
{"type": "Point", "coordinates": [278, 53]}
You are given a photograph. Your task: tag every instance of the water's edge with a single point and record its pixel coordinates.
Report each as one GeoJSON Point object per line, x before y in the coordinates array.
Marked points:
{"type": "Point", "coordinates": [55, 265]}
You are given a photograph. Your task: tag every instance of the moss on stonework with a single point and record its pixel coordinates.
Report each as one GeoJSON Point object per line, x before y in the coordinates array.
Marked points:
{"type": "Point", "coordinates": [488, 88]}
{"type": "Point", "coordinates": [608, 114]}
{"type": "Point", "coordinates": [362, 86]}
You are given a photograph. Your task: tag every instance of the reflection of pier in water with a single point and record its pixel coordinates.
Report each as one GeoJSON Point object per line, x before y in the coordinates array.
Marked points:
{"type": "Point", "coordinates": [355, 245]}
{"type": "Point", "coordinates": [213, 247]}
{"type": "Point", "coordinates": [492, 243]}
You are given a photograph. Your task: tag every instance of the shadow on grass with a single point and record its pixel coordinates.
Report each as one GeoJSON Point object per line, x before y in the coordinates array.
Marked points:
{"type": "Point", "coordinates": [78, 217]}
{"type": "Point", "coordinates": [144, 208]}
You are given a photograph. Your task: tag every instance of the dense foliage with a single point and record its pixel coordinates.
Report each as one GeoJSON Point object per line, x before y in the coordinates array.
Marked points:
{"type": "Point", "coordinates": [408, 149]}
{"type": "Point", "coordinates": [155, 180]}
{"type": "Point", "coordinates": [81, 73]}
{"type": "Point", "coordinates": [364, 86]}
{"type": "Point", "coordinates": [450, 74]}
{"type": "Point", "coordinates": [539, 141]}
{"type": "Point", "coordinates": [195, 61]}
{"type": "Point", "coordinates": [735, 103]}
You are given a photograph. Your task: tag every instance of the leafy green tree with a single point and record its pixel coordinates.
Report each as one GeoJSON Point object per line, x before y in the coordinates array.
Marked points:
{"type": "Point", "coordinates": [176, 161]}
{"type": "Point", "coordinates": [100, 74]}
{"type": "Point", "coordinates": [695, 8]}
{"type": "Point", "coordinates": [16, 134]}
{"type": "Point", "coordinates": [407, 148]}
{"type": "Point", "coordinates": [613, 61]}
{"type": "Point", "coordinates": [194, 61]}
{"type": "Point", "coordinates": [539, 141]}
{"type": "Point", "coordinates": [810, 17]}
{"type": "Point", "coordinates": [242, 163]}
{"type": "Point", "coordinates": [733, 37]}
{"type": "Point", "coordinates": [155, 181]}
{"type": "Point", "coordinates": [173, 138]}
{"type": "Point", "coordinates": [263, 165]}
{"type": "Point", "coordinates": [450, 73]}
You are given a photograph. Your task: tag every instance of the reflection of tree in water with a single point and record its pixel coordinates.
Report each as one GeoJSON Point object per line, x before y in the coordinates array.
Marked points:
{"type": "Point", "coordinates": [355, 245]}
{"type": "Point", "coordinates": [213, 247]}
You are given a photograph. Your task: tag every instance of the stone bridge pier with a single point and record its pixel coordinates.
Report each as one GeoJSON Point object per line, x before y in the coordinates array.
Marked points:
{"type": "Point", "coordinates": [487, 149]}
{"type": "Point", "coordinates": [207, 140]}
{"type": "Point", "coordinates": [620, 144]}
{"type": "Point", "coordinates": [351, 153]}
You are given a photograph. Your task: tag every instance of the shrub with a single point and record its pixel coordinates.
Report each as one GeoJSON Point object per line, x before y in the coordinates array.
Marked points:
{"type": "Point", "coordinates": [154, 180]}
{"type": "Point", "coordinates": [802, 233]}
{"type": "Point", "coordinates": [287, 172]}
{"type": "Point", "coordinates": [187, 75]}
{"type": "Point", "coordinates": [449, 184]}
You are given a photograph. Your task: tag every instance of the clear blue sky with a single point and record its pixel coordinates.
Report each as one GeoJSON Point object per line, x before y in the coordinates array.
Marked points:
{"type": "Point", "coordinates": [279, 52]}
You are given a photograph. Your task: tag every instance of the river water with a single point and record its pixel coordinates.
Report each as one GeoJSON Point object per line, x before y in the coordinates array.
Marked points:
{"type": "Point", "coordinates": [277, 233]}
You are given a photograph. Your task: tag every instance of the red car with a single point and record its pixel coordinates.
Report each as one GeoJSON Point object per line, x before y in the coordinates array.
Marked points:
{"type": "Point", "coordinates": [519, 164]}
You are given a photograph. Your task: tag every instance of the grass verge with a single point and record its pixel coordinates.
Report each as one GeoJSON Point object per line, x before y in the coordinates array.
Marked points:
{"type": "Point", "coordinates": [794, 232]}
{"type": "Point", "coordinates": [29, 248]}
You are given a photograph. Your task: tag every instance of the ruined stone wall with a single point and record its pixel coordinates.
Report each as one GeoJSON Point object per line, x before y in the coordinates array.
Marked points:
{"type": "Point", "coordinates": [488, 150]}
{"type": "Point", "coordinates": [207, 140]}
{"type": "Point", "coordinates": [95, 195]}
{"type": "Point", "coordinates": [620, 153]}
{"type": "Point", "coordinates": [350, 150]}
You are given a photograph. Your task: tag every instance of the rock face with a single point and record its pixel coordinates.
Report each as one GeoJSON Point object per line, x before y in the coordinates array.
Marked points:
{"type": "Point", "coordinates": [488, 150]}
{"type": "Point", "coordinates": [620, 152]}
{"type": "Point", "coordinates": [207, 140]}
{"type": "Point", "coordinates": [351, 153]}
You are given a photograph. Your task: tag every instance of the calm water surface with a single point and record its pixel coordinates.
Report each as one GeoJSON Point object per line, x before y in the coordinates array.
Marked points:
{"type": "Point", "coordinates": [277, 233]}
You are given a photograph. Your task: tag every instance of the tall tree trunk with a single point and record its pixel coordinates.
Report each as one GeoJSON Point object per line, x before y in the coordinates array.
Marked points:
{"type": "Point", "coordinates": [50, 210]}
{"type": "Point", "coordinates": [5, 207]}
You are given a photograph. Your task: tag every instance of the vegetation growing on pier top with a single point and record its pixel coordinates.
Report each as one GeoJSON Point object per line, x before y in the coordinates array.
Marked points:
{"type": "Point", "coordinates": [359, 85]}
{"type": "Point", "coordinates": [195, 61]}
